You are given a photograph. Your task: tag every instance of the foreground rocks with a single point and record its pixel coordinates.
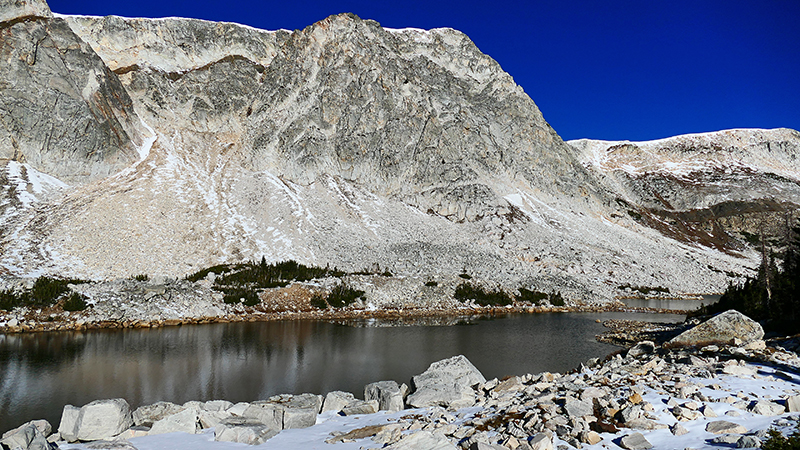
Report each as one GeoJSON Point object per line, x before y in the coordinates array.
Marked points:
{"type": "Point", "coordinates": [719, 394]}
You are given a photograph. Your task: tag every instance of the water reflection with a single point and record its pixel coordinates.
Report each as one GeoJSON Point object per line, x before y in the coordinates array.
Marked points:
{"type": "Point", "coordinates": [672, 304]}
{"type": "Point", "coordinates": [39, 373]}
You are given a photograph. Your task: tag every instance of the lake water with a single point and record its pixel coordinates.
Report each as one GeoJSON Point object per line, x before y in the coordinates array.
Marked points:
{"type": "Point", "coordinates": [672, 303]}
{"type": "Point", "coordinates": [41, 372]}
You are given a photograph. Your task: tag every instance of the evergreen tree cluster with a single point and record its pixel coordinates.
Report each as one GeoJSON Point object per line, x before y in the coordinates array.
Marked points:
{"type": "Point", "coordinates": [773, 296]}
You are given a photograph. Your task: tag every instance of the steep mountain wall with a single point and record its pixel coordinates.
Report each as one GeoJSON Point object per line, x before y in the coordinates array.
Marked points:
{"type": "Point", "coordinates": [351, 145]}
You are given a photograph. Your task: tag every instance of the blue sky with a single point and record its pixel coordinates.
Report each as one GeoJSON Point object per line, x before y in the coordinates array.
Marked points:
{"type": "Point", "coordinates": [608, 69]}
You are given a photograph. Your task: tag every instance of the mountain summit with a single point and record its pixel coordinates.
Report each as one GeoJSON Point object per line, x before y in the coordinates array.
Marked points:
{"type": "Point", "coordinates": [163, 146]}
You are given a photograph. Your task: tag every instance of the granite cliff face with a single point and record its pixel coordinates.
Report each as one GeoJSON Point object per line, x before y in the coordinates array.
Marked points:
{"type": "Point", "coordinates": [345, 144]}
{"type": "Point", "coordinates": [63, 111]}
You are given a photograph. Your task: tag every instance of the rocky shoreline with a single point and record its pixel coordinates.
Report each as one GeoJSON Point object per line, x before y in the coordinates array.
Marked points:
{"type": "Point", "coordinates": [164, 302]}
{"type": "Point", "coordinates": [699, 395]}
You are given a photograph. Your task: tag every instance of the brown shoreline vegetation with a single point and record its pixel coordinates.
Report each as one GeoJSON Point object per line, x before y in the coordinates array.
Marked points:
{"type": "Point", "coordinates": [41, 320]}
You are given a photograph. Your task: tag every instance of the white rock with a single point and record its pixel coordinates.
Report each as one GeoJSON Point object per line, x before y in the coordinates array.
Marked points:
{"type": "Point", "coordinates": [446, 383]}
{"type": "Point", "coordinates": [766, 408]}
{"type": "Point", "coordinates": [725, 427]}
{"type": "Point", "coordinates": [423, 440]}
{"type": "Point", "coordinates": [100, 419]}
{"type": "Point", "coordinates": [28, 436]}
{"type": "Point", "coordinates": [243, 431]}
{"type": "Point", "coordinates": [793, 403]}
{"type": "Point", "coordinates": [337, 401]}
{"type": "Point", "coordinates": [635, 441]}
{"type": "Point", "coordinates": [389, 394]}
{"type": "Point", "coordinates": [541, 441]}
{"type": "Point", "coordinates": [184, 421]}
{"type": "Point", "coordinates": [361, 407]}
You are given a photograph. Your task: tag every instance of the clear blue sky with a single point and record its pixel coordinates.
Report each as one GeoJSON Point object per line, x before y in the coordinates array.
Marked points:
{"type": "Point", "coordinates": [637, 70]}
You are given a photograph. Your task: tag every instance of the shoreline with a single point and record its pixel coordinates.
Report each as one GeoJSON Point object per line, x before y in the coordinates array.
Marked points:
{"type": "Point", "coordinates": [35, 322]}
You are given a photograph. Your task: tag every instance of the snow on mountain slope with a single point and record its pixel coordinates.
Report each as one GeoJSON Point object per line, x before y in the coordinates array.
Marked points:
{"type": "Point", "coordinates": [349, 145]}
{"type": "Point", "coordinates": [713, 185]}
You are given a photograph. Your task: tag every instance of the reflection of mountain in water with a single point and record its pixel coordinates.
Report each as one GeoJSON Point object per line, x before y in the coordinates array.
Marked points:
{"type": "Point", "coordinates": [420, 321]}
{"type": "Point", "coordinates": [39, 373]}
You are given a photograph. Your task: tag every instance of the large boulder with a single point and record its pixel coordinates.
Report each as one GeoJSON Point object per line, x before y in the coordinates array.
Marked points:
{"type": "Point", "coordinates": [100, 419]}
{"type": "Point", "coordinates": [265, 413]}
{"type": "Point", "coordinates": [184, 421]}
{"type": "Point", "coordinates": [338, 400]}
{"type": "Point", "coordinates": [150, 414]}
{"type": "Point", "coordinates": [29, 436]}
{"type": "Point", "coordinates": [300, 411]}
{"type": "Point", "coordinates": [447, 383]}
{"type": "Point", "coordinates": [389, 394]}
{"type": "Point", "coordinates": [722, 328]}
{"type": "Point", "coordinates": [286, 411]}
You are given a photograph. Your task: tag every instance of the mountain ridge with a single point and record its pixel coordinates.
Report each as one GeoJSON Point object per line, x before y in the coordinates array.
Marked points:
{"type": "Point", "coordinates": [352, 145]}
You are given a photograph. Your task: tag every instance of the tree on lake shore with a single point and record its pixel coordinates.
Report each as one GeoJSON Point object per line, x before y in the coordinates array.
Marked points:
{"type": "Point", "coordinates": [773, 296]}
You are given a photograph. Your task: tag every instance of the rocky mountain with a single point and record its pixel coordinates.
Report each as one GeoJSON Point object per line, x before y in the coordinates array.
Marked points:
{"type": "Point", "coordinates": [163, 146]}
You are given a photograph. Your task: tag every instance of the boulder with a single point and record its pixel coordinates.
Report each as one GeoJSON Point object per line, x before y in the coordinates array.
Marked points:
{"type": "Point", "coordinates": [635, 441]}
{"type": "Point", "coordinates": [361, 407]}
{"type": "Point", "coordinates": [184, 421]}
{"type": "Point", "coordinates": [722, 328]}
{"type": "Point", "coordinates": [389, 394]}
{"type": "Point", "coordinates": [591, 393]}
{"type": "Point", "coordinates": [146, 416]}
{"type": "Point", "coordinates": [301, 411]}
{"type": "Point", "coordinates": [578, 408]}
{"type": "Point", "coordinates": [541, 441]}
{"type": "Point", "coordinates": [423, 440]}
{"type": "Point", "coordinates": [793, 403]}
{"type": "Point", "coordinates": [265, 413]}
{"type": "Point", "coordinates": [210, 419]}
{"type": "Point", "coordinates": [337, 401]}
{"type": "Point", "coordinates": [748, 442]}
{"type": "Point", "coordinates": [590, 437]}
{"type": "Point", "coordinates": [244, 431]}
{"type": "Point", "coordinates": [216, 405]}
{"type": "Point", "coordinates": [677, 429]}
{"type": "Point", "coordinates": [446, 383]}
{"type": "Point", "coordinates": [725, 427]}
{"type": "Point", "coordinates": [29, 436]}
{"type": "Point", "coordinates": [100, 419]}
{"type": "Point", "coordinates": [766, 408]}
{"type": "Point", "coordinates": [641, 348]}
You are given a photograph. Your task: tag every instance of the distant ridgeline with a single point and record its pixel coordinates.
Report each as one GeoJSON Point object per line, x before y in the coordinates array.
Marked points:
{"type": "Point", "coordinates": [773, 296]}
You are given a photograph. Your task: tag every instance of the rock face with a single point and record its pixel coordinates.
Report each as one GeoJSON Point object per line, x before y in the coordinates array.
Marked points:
{"type": "Point", "coordinates": [344, 143]}
{"type": "Point", "coordinates": [15, 10]}
{"type": "Point", "coordinates": [724, 327]}
{"type": "Point", "coordinates": [711, 188]}
{"type": "Point", "coordinates": [100, 419]}
{"type": "Point", "coordinates": [446, 383]}
{"type": "Point", "coordinates": [64, 112]}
